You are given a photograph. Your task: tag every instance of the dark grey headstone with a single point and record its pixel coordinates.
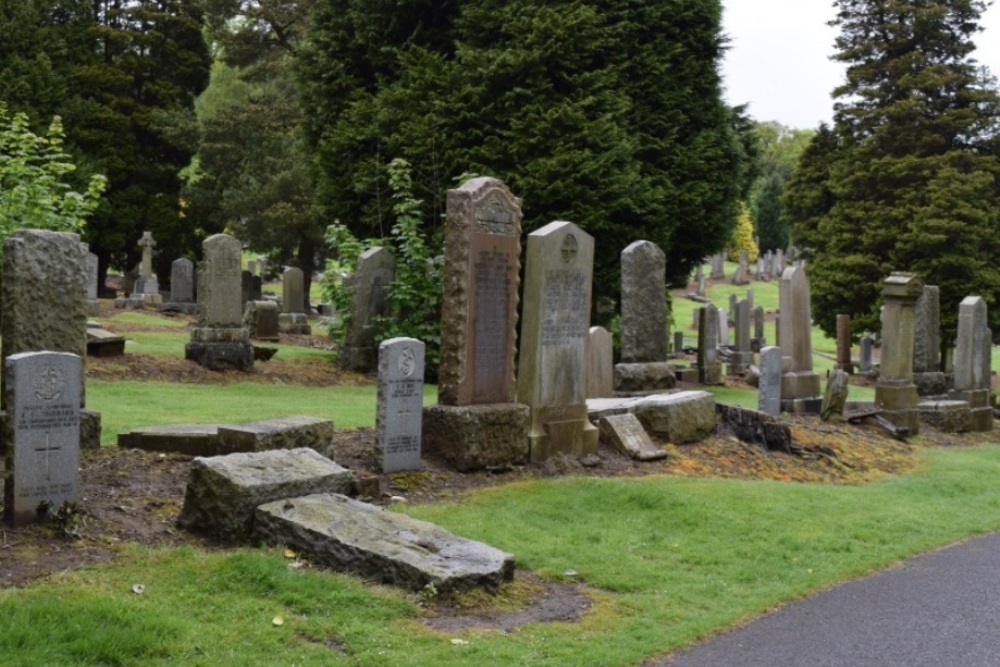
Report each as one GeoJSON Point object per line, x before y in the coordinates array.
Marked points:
{"type": "Point", "coordinates": [643, 303]}
{"type": "Point", "coordinates": [43, 455]}
{"type": "Point", "coordinates": [182, 280]}
{"type": "Point", "coordinates": [399, 411]}
{"type": "Point", "coordinates": [769, 386]}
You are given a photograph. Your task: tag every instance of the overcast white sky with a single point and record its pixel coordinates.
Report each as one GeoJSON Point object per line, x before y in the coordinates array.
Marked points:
{"type": "Point", "coordinates": [778, 59]}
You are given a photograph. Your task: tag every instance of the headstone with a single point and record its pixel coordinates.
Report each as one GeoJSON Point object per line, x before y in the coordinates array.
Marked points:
{"type": "Point", "coordinates": [973, 356]}
{"type": "Point", "coordinates": [262, 262]}
{"type": "Point", "coordinates": [779, 263]}
{"type": "Point", "coordinates": [723, 328]}
{"type": "Point", "coordinates": [643, 303]}
{"type": "Point", "coordinates": [147, 285]}
{"type": "Point", "coordinates": [600, 370]}
{"type": "Point", "coordinates": [718, 267]}
{"type": "Point", "coordinates": [709, 369]}
{"type": "Point", "coordinates": [292, 290]}
{"type": "Point", "coordinates": [182, 281]}
{"type": "Point", "coordinates": [398, 415]}
{"type": "Point", "coordinates": [376, 269]}
{"type": "Point", "coordinates": [92, 276]}
{"type": "Point", "coordinates": [700, 280]}
{"type": "Point", "coordinates": [42, 394]}
{"type": "Point", "coordinates": [844, 362]}
{"type": "Point", "coordinates": [895, 393]}
{"type": "Point", "coordinates": [552, 365]}
{"type": "Point", "coordinates": [625, 434]}
{"type": "Point", "coordinates": [799, 384]}
{"type": "Point", "coordinates": [927, 374]}
{"type": "Point", "coordinates": [253, 267]}
{"type": "Point", "coordinates": [835, 396]}
{"type": "Point", "coordinates": [769, 385]}
{"type": "Point", "coordinates": [261, 320]}
{"type": "Point", "coordinates": [678, 343]}
{"type": "Point", "coordinates": [220, 341]}
{"type": "Point", "coordinates": [758, 340]}
{"type": "Point", "coordinates": [865, 358]}
{"type": "Point", "coordinates": [478, 332]}
{"type": "Point", "coordinates": [742, 356]}
{"type": "Point", "coordinates": [741, 276]}
{"type": "Point", "coordinates": [146, 265]}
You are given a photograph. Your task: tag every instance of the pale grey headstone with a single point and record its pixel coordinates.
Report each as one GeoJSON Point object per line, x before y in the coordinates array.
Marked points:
{"type": "Point", "coordinates": [643, 303]}
{"type": "Point", "coordinates": [182, 280]}
{"type": "Point", "coordinates": [293, 290]}
{"type": "Point", "coordinates": [399, 409]}
{"type": "Point", "coordinates": [369, 283]}
{"type": "Point", "coordinates": [973, 345]}
{"type": "Point", "coordinates": [43, 399]}
{"type": "Point", "coordinates": [92, 276]}
{"type": "Point", "coordinates": [220, 303]}
{"type": "Point", "coordinates": [865, 359]}
{"type": "Point", "coordinates": [678, 342]}
{"type": "Point", "coordinates": [601, 372]}
{"type": "Point", "coordinates": [146, 265]}
{"type": "Point", "coordinates": [769, 388]}
{"type": "Point", "coordinates": [723, 328]}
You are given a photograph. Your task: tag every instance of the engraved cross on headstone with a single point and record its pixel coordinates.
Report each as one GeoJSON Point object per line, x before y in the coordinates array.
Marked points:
{"type": "Point", "coordinates": [47, 449]}
{"type": "Point", "coordinates": [147, 244]}
{"type": "Point", "coordinates": [569, 248]}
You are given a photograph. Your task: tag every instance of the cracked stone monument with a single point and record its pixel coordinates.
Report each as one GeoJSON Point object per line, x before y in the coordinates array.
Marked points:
{"type": "Point", "coordinates": [369, 282]}
{"type": "Point", "coordinates": [799, 383]}
{"type": "Point", "coordinates": [895, 393]}
{"type": "Point", "coordinates": [220, 341]}
{"type": "Point", "coordinates": [293, 318]}
{"type": "Point", "coordinates": [42, 393]}
{"type": "Point", "coordinates": [399, 410]}
{"type": "Point", "coordinates": [552, 366]}
{"type": "Point", "coordinates": [973, 356]}
{"type": "Point", "coordinates": [477, 423]}
{"type": "Point", "coordinates": [45, 305]}
{"type": "Point", "coordinates": [927, 374]}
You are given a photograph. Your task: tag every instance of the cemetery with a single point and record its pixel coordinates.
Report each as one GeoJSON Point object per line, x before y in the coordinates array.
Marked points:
{"type": "Point", "coordinates": [189, 437]}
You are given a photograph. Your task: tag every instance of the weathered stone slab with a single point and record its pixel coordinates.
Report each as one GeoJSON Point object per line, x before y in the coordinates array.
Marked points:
{"type": "Point", "coordinates": [223, 491]}
{"type": "Point", "coordinates": [293, 290]}
{"type": "Point", "coordinates": [800, 384]}
{"type": "Point", "coordinates": [600, 359]}
{"type": "Point", "coordinates": [260, 318]}
{"type": "Point", "coordinates": [643, 303]}
{"type": "Point", "coordinates": [279, 433]}
{"type": "Point", "coordinates": [182, 280]}
{"type": "Point", "coordinates": [835, 395]}
{"type": "Point", "coordinates": [709, 368]}
{"type": "Point", "coordinates": [625, 434]}
{"type": "Point", "coordinates": [769, 384]}
{"type": "Point", "coordinates": [473, 437]}
{"type": "Point", "coordinates": [193, 439]}
{"type": "Point", "coordinates": [687, 416]}
{"type": "Point", "coordinates": [352, 536]}
{"type": "Point", "coordinates": [946, 416]}
{"type": "Point", "coordinates": [598, 408]}
{"type": "Point", "coordinates": [399, 408]}
{"type": "Point", "coordinates": [756, 428]}
{"type": "Point", "coordinates": [102, 343]}
{"type": "Point", "coordinates": [644, 377]}
{"type": "Point", "coordinates": [42, 393]}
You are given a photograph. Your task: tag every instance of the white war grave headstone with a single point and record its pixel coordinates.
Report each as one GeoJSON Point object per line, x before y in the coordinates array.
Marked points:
{"type": "Point", "coordinates": [399, 413]}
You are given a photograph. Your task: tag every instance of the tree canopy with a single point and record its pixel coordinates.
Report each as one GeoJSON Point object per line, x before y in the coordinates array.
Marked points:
{"type": "Point", "coordinates": [908, 178]}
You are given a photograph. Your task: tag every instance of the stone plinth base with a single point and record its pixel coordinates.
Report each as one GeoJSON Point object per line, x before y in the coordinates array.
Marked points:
{"type": "Point", "coordinates": [981, 411]}
{"type": "Point", "coordinates": [811, 405]}
{"type": "Point", "coordinates": [897, 402]}
{"type": "Point", "coordinates": [471, 437]}
{"type": "Point", "coordinates": [220, 335]}
{"type": "Point", "coordinates": [220, 356]}
{"type": "Point", "coordinates": [179, 307]}
{"type": "Point", "coordinates": [562, 431]}
{"type": "Point", "coordinates": [710, 374]}
{"type": "Point", "coordinates": [294, 323]}
{"type": "Point", "coordinates": [653, 376]}
{"type": "Point", "coordinates": [930, 384]}
{"type": "Point", "coordinates": [357, 359]}
{"type": "Point", "coordinates": [687, 416]}
{"type": "Point", "coordinates": [686, 374]}
{"type": "Point", "coordinates": [739, 363]}
{"type": "Point", "coordinates": [800, 393]}
{"type": "Point", "coordinates": [947, 416]}
{"type": "Point", "coordinates": [130, 302]}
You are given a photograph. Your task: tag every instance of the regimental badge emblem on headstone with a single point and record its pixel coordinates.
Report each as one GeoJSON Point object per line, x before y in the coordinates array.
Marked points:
{"type": "Point", "coordinates": [49, 383]}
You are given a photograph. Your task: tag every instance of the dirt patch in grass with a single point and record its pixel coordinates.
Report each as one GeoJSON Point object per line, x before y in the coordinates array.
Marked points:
{"type": "Point", "coordinates": [129, 496]}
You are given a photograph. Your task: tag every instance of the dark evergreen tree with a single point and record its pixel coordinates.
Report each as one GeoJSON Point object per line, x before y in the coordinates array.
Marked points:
{"type": "Point", "coordinates": [912, 166]}
{"type": "Point", "coordinates": [771, 229]}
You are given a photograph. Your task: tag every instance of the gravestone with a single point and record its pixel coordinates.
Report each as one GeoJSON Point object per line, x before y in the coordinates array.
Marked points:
{"type": "Point", "coordinates": [700, 281]}
{"type": "Point", "coordinates": [723, 328]}
{"type": "Point", "coordinates": [476, 423]}
{"type": "Point", "coordinates": [149, 287]}
{"type": "Point", "coordinates": [927, 373]}
{"type": "Point", "coordinates": [261, 320]}
{"type": "Point", "coordinates": [376, 269]}
{"type": "Point", "coordinates": [758, 341]}
{"type": "Point", "coordinates": [552, 365]}
{"type": "Point", "coordinates": [799, 384]}
{"type": "Point", "coordinates": [182, 281]}
{"type": "Point", "coordinates": [625, 434]}
{"type": "Point", "coordinates": [844, 362]}
{"type": "Point", "coordinates": [398, 415]}
{"type": "Point", "coordinates": [600, 369]}
{"type": "Point", "coordinates": [253, 267]}
{"type": "Point", "coordinates": [709, 369]}
{"type": "Point", "coordinates": [779, 263]}
{"type": "Point", "coordinates": [835, 396]}
{"type": "Point", "coordinates": [220, 341]}
{"type": "Point", "coordinates": [865, 354]}
{"type": "Point", "coordinates": [93, 277]}
{"type": "Point", "coordinates": [263, 262]}
{"type": "Point", "coordinates": [678, 343]}
{"type": "Point", "coordinates": [643, 303]}
{"type": "Point", "coordinates": [718, 267]}
{"type": "Point", "coordinates": [293, 318]}
{"type": "Point", "coordinates": [895, 393]}
{"type": "Point", "coordinates": [742, 274]}
{"type": "Point", "coordinates": [42, 394]}
{"type": "Point", "coordinates": [769, 385]}
{"type": "Point", "coordinates": [973, 352]}
{"type": "Point", "coordinates": [742, 356]}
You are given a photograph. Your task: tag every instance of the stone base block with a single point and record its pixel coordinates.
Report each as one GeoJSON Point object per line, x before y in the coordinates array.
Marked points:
{"type": "Point", "coordinates": [686, 374]}
{"type": "Point", "coordinates": [710, 374]}
{"type": "Point", "coordinates": [93, 308]}
{"type": "Point", "coordinates": [930, 384]}
{"type": "Point", "coordinates": [756, 428]}
{"type": "Point", "coordinates": [101, 343]}
{"type": "Point", "coordinates": [472, 437]}
{"type": "Point", "coordinates": [947, 416]}
{"type": "Point", "coordinates": [561, 431]}
{"type": "Point", "coordinates": [897, 402]}
{"type": "Point", "coordinates": [294, 323]}
{"type": "Point", "coordinates": [812, 405]}
{"type": "Point", "coordinates": [192, 439]}
{"type": "Point", "coordinates": [981, 419]}
{"type": "Point", "coordinates": [687, 416]}
{"type": "Point", "coordinates": [152, 300]}
{"type": "Point", "coordinates": [130, 302]}
{"type": "Point", "coordinates": [223, 491]}
{"type": "Point", "coordinates": [352, 536]}
{"type": "Point", "coordinates": [653, 376]}
{"type": "Point", "coordinates": [280, 433]}
{"type": "Point", "coordinates": [357, 359]}
{"type": "Point", "coordinates": [803, 384]}
{"type": "Point", "coordinates": [220, 356]}
{"type": "Point", "coordinates": [220, 335]}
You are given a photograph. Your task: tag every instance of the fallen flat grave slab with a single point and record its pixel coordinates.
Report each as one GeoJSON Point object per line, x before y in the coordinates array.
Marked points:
{"type": "Point", "coordinates": [223, 491]}
{"type": "Point", "coordinates": [625, 434]}
{"type": "Point", "coordinates": [220, 439]}
{"type": "Point", "coordinates": [193, 439]}
{"type": "Point", "coordinates": [348, 535]}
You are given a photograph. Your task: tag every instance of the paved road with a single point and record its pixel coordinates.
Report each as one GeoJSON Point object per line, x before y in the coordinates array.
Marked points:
{"type": "Point", "coordinates": [940, 609]}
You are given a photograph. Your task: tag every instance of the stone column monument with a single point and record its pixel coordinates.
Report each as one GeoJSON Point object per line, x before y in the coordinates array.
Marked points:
{"type": "Point", "coordinates": [799, 383]}
{"type": "Point", "coordinates": [895, 393]}
{"type": "Point", "coordinates": [477, 423]}
{"type": "Point", "coordinates": [552, 365]}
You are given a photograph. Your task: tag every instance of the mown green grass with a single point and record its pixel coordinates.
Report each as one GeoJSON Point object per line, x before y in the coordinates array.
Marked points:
{"type": "Point", "coordinates": [668, 560]}
{"type": "Point", "coordinates": [126, 405]}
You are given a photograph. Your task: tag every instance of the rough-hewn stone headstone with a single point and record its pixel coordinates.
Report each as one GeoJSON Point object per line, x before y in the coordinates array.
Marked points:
{"type": "Point", "coordinates": [643, 303]}
{"type": "Point", "coordinates": [552, 366]}
{"type": "Point", "coordinates": [44, 294]}
{"type": "Point", "coordinates": [769, 385]}
{"type": "Point", "coordinates": [399, 409]}
{"type": "Point", "coordinates": [895, 393]}
{"type": "Point", "coordinates": [799, 384]}
{"type": "Point", "coordinates": [742, 356]}
{"type": "Point", "coordinates": [223, 491]}
{"type": "Point", "coordinates": [865, 354]}
{"type": "Point", "coordinates": [376, 269]}
{"type": "Point", "coordinates": [345, 534]}
{"type": "Point", "coordinates": [718, 267]}
{"type": "Point", "coordinates": [600, 370]}
{"type": "Point", "coordinates": [42, 392]}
